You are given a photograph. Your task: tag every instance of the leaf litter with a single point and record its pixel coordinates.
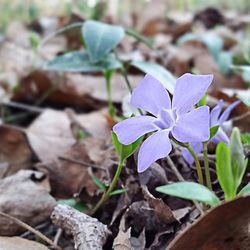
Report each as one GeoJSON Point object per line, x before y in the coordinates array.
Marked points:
{"type": "Point", "coordinates": [55, 153]}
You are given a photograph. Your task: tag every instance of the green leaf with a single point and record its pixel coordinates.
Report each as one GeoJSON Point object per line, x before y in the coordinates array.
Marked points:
{"type": "Point", "coordinates": [118, 191]}
{"type": "Point", "coordinates": [238, 161]}
{"type": "Point", "coordinates": [213, 131]}
{"type": "Point", "coordinates": [158, 72]}
{"type": "Point", "coordinates": [245, 190]}
{"type": "Point", "coordinates": [100, 39]}
{"type": "Point", "coordinates": [78, 61]}
{"type": "Point", "coordinates": [224, 62]}
{"type": "Point", "coordinates": [224, 171]}
{"type": "Point", "coordinates": [214, 44]}
{"type": "Point", "coordinates": [245, 139]}
{"type": "Point", "coordinates": [72, 203]}
{"type": "Point", "coordinates": [190, 191]}
{"type": "Point", "coordinates": [124, 151]}
{"type": "Point", "coordinates": [98, 183]}
{"type": "Point", "coordinates": [243, 70]}
{"type": "Point", "coordinates": [202, 101]}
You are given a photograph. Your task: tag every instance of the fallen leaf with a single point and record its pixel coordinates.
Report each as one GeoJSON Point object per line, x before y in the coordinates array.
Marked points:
{"type": "Point", "coordinates": [15, 152]}
{"type": "Point", "coordinates": [161, 209]}
{"type": "Point", "coordinates": [51, 130]}
{"type": "Point", "coordinates": [225, 227]}
{"type": "Point", "coordinates": [18, 243]}
{"type": "Point", "coordinates": [24, 196]}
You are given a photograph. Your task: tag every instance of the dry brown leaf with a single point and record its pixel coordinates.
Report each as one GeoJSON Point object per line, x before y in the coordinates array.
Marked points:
{"type": "Point", "coordinates": [70, 174]}
{"type": "Point", "coordinates": [73, 90]}
{"type": "Point", "coordinates": [24, 196]}
{"type": "Point", "coordinates": [225, 227]}
{"type": "Point", "coordinates": [50, 134]}
{"type": "Point", "coordinates": [161, 209]}
{"type": "Point", "coordinates": [122, 240]}
{"type": "Point", "coordinates": [15, 152]}
{"type": "Point", "coordinates": [18, 243]}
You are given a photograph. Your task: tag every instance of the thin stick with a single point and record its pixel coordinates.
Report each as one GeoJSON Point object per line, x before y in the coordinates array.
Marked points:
{"type": "Point", "coordinates": [31, 229]}
{"type": "Point", "coordinates": [23, 106]}
{"type": "Point", "coordinates": [180, 178]}
{"type": "Point", "coordinates": [174, 169]}
{"type": "Point", "coordinates": [58, 32]}
{"type": "Point", "coordinates": [237, 118]}
{"type": "Point", "coordinates": [58, 235]}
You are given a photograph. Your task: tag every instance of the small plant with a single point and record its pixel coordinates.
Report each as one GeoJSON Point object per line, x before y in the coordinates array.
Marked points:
{"type": "Point", "coordinates": [100, 42]}
{"type": "Point", "coordinates": [230, 168]}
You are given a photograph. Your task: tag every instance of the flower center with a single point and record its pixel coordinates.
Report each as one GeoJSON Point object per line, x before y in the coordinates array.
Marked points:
{"type": "Point", "coordinates": [166, 119]}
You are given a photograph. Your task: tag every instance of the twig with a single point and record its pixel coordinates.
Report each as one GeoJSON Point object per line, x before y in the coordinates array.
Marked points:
{"type": "Point", "coordinates": [31, 229]}
{"type": "Point", "coordinates": [180, 178]}
{"type": "Point", "coordinates": [58, 235]}
{"type": "Point", "coordinates": [62, 30]}
{"type": "Point", "coordinates": [23, 106]}
{"type": "Point", "coordinates": [88, 232]}
{"type": "Point", "coordinates": [174, 169]}
{"type": "Point", "coordinates": [240, 117]}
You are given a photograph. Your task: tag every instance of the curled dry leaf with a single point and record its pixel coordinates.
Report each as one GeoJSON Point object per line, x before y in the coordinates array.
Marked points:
{"type": "Point", "coordinates": [15, 152]}
{"type": "Point", "coordinates": [88, 232]}
{"type": "Point", "coordinates": [124, 240]}
{"type": "Point", "coordinates": [225, 227]}
{"type": "Point", "coordinates": [24, 196]}
{"type": "Point", "coordinates": [162, 211]}
{"type": "Point", "coordinates": [18, 243]}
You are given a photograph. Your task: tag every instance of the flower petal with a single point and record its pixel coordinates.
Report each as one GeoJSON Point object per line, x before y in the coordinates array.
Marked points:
{"type": "Point", "coordinates": [133, 128]}
{"type": "Point", "coordinates": [150, 96]}
{"type": "Point", "coordinates": [153, 148]}
{"type": "Point", "coordinates": [227, 112]}
{"type": "Point", "coordinates": [193, 126]}
{"type": "Point", "coordinates": [215, 113]}
{"type": "Point", "coordinates": [197, 147]}
{"type": "Point", "coordinates": [220, 136]}
{"type": "Point", "coordinates": [189, 89]}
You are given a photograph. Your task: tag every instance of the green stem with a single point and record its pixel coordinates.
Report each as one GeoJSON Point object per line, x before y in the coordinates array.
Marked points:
{"type": "Point", "coordinates": [206, 164]}
{"type": "Point", "coordinates": [108, 75]}
{"type": "Point", "coordinates": [197, 165]}
{"type": "Point", "coordinates": [111, 188]}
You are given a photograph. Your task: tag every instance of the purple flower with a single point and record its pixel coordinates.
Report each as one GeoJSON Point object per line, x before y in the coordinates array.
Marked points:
{"type": "Point", "coordinates": [216, 118]}
{"type": "Point", "coordinates": [176, 119]}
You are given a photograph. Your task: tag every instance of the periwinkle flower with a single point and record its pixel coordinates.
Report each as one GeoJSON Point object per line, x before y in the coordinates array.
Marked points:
{"type": "Point", "coordinates": [176, 119]}
{"type": "Point", "coordinates": [217, 117]}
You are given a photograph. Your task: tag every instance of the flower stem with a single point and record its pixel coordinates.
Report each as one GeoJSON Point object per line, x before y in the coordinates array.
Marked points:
{"type": "Point", "coordinates": [197, 165]}
{"type": "Point", "coordinates": [111, 188]}
{"type": "Point", "coordinates": [108, 75]}
{"type": "Point", "coordinates": [206, 164]}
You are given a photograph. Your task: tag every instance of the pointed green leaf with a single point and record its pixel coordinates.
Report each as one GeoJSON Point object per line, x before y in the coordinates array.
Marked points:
{"type": "Point", "coordinates": [202, 101]}
{"type": "Point", "coordinates": [100, 39]}
{"type": "Point", "coordinates": [118, 191]}
{"type": "Point", "coordinates": [238, 160]}
{"type": "Point", "coordinates": [158, 72]}
{"type": "Point", "coordinates": [124, 151]}
{"type": "Point", "coordinates": [224, 170]}
{"type": "Point", "coordinates": [78, 61]}
{"type": "Point", "coordinates": [190, 191]}
{"type": "Point", "coordinates": [213, 131]}
{"type": "Point", "coordinates": [245, 190]}
{"type": "Point", "coordinates": [98, 183]}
